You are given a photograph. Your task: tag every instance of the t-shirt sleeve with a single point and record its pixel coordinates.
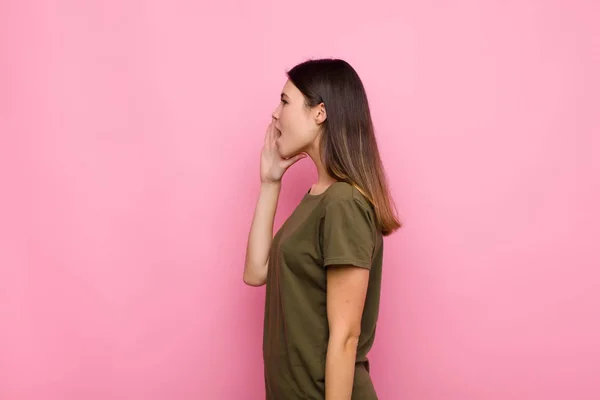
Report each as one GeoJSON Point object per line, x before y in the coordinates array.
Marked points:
{"type": "Point", "coordinates": [348, 235]}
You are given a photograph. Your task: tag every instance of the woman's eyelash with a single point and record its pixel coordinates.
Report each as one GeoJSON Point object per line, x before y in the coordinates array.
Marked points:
{"type": "Point", "coordinates": [283, 101]}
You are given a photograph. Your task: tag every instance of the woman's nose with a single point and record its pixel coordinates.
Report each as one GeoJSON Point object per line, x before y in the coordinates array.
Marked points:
{"type": "Point", "coordinates": [275, 114]}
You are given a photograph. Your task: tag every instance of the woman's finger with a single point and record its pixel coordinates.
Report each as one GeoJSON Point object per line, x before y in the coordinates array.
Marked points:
{"type": "Point", "coordinates": [292, 160]}
{"type": "Point", "coordinates": [273, 134]}
{"type": "Point", "coordinates": [268, 136]}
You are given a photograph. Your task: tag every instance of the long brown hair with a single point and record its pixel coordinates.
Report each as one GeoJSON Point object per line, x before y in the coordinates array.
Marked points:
{"type": "Point", "coordinates": [348, 146]}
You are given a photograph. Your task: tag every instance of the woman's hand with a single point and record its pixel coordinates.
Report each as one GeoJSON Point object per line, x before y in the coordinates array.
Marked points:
{"type": "Point", "coordinates": [272, 165]}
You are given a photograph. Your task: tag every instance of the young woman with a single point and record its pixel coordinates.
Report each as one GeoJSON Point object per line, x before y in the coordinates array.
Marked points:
{"type": "Point", "coordinates": [323, 267]}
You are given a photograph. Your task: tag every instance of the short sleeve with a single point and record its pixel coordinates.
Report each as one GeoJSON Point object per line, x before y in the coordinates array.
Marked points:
{"type": "Point", "coordinates": [348, 234]}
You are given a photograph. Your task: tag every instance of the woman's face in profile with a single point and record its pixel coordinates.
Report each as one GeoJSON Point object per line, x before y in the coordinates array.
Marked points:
{"type": "Point", "coordinates": [296, 123]}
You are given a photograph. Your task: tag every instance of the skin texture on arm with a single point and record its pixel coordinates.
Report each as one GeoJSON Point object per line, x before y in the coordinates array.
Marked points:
{"type": "Point", "coordinates": [346, 293]}
{"type": "Point", "coordinates": [261, 235]}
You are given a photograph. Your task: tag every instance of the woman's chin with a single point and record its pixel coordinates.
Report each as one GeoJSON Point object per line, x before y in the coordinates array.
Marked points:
{"type": "Point", "coordinates": [281, 151]}
{"type": "Point", "coordinates": [285, 153]}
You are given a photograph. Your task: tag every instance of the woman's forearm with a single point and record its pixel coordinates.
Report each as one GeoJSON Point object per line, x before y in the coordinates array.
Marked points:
{"type": "Point", "coordinates": [339, 368]}
{"type": "Point", "coordinates": [261, 235]}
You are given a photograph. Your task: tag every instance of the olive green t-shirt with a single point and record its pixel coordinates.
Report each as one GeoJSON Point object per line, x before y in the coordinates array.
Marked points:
{"type": "Point", "coordinates": [336, 227]}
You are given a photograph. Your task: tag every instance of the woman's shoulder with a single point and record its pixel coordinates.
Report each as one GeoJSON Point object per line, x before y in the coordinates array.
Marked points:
{"type": "Point", "coordinates": [348, 212]}
{"type": "Point", "coordinates": [341, 192]}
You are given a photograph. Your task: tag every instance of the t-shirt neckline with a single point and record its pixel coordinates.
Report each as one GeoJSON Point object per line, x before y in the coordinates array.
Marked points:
{"type": "Point", "coordinates": [320, 195]}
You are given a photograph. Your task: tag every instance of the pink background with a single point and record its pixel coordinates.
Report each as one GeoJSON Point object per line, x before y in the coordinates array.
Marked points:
{"type": "Point", "coordinates": [130, 134]}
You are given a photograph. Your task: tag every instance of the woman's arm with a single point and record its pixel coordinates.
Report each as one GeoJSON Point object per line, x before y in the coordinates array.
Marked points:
{"type": "Point", "coordinates": [272, 168]}
{"type": "Point", "coordinates": [346, 293]}
{"type": "Point", "coordinates": [261, 234]}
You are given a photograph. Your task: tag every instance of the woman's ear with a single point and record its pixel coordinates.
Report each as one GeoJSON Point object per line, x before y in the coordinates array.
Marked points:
{"type": "Point", "coordinates": [321, 114]}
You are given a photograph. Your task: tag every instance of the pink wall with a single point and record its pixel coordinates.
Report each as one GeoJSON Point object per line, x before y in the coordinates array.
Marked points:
{"type": "Point", "coordinates": [129, 142]}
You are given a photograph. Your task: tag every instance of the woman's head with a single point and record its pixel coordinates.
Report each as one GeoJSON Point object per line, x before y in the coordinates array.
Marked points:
{"type": "Point", "coordinates": [299, 123]}
{"type": "Point", "coordinates": [324, 107]}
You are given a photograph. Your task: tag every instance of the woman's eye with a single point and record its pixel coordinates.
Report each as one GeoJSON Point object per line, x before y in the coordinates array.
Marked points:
{"type": "Point", "coordinates": [284, 102]}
